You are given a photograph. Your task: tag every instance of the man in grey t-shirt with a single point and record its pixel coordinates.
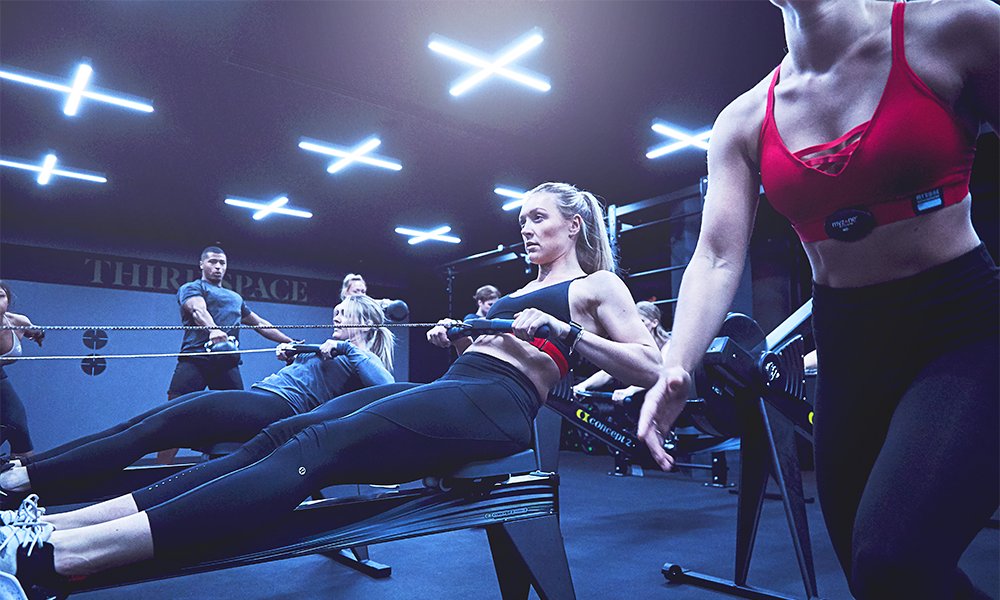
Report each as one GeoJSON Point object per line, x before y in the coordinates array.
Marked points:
{"type": "Point", "coordinates": [206, 303]}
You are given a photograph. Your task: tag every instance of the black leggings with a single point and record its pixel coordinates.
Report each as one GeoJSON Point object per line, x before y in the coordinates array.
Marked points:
{"type": "Point", "coordinates": [193, 420]}
{"type": "Point", "coordinates": [906, 426]}
{"type": "Point", "coordinates": [13, 418]}
{"type": "Point", "coordinates": [481, 409]}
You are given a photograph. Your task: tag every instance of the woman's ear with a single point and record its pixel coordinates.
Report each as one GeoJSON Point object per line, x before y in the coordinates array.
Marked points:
{"type": "Point", "coordinates": [575, 224]}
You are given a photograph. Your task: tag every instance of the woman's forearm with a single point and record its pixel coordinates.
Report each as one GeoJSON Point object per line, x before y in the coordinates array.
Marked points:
{"type": "Point", "coordinates": [630, 363]}
{"type": "Point", "coordinates": [706, 293]}
{"type": "Point", "coordinates": [595, 381]}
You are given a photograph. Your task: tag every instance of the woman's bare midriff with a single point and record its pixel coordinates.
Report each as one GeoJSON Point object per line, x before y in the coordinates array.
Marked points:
{"type": "Point", "coordinates": [535, 364]}
{"type": "Point", "coordinates": [895, 250]}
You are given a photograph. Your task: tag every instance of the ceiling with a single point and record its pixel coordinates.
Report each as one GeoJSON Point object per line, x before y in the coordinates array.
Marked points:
{"type": "Point", "coordinates": [236, 85]}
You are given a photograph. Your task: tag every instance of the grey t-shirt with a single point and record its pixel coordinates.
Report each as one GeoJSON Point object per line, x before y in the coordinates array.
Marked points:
{"type": "Point", "coordinates": [311, 381]}
{"type": "Point", "coordinates": [226, 307]}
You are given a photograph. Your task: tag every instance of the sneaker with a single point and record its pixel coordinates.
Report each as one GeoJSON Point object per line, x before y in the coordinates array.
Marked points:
{"type": "Point", "coordinates": [10, 588]}
{"type": "Point", "coordinates": [28, 513]}
{"type": "Point", "coordinates": [25, 530]}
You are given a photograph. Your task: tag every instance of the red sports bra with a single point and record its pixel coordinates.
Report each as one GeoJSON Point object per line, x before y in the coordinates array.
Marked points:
{"type": "Point", "coordinates": [912, 157]}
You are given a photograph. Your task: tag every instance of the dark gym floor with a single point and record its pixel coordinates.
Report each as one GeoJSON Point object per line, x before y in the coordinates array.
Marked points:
{"type": "Point", "coordinates": [619, 531]}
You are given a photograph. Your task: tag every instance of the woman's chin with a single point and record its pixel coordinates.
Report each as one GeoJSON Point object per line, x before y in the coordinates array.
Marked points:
{"type": "Point", "coordinates": [536, 258]}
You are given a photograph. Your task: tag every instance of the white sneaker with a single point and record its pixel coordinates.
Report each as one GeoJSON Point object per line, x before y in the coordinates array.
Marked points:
{"type": "Point", "coordinates": [28, 512]}
{"type": "Point", "coordinates": [25, 529]}
{"type": "Point", "coordinates": [10, 589]}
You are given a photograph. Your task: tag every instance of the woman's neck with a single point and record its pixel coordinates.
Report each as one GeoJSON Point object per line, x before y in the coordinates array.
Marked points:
{"type": "Point", "coordinates": [565, 267]}
{"type": "Point", "coordinates": [358, 341]}
{"type": "Point", "coordinates": [820, 32]}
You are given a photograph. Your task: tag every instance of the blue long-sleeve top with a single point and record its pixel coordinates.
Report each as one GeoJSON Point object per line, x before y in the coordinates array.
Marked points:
{"type": "Point", "coordinates": [310, 380]}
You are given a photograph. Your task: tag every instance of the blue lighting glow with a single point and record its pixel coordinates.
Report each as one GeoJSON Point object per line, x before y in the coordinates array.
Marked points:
{"type": "Point", "coordinates": [347, 156]}
{"type": "Point", "coordinates": [79, 83]}
{"type": "Point", "coordinates": [77, 90]}
{"type": "Point", "coordinates": [488, 65]}
{"type": "Point", "coordinates": [46, 173]}
{"type": "Point", "coordinates": [518, 197]}
{"type": "Point", "coordinates": [47, 170]}
{"type": "Point", "coordinates": [685, 139]}
{"type": "Point", "coordinates": [263, 210]}
{"type": "Point", "coordinates": [423, 236]}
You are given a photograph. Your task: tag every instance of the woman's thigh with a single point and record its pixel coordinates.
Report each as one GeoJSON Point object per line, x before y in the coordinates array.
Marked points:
{"type": "Point", "coordinates": [937, 477]}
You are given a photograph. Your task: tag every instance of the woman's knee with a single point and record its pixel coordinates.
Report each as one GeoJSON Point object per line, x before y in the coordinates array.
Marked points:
{"type": "Point", "coordinates": [19, 439]}
{"type": "Point", "coordinates": [274, 436]}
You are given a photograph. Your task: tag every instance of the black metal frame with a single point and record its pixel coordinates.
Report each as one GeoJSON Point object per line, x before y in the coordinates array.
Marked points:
{"type": "Point", "coordinates": [770, 378]}
{"type": "Point", "coordinates": [628, 449]}
{"type": "Point", "coordinates": [520, 516]}
{"type": "Point", "coordinates": [515, 499]}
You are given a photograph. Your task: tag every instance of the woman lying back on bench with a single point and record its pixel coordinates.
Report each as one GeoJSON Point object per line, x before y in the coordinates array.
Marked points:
{"type": "Point", "coordinates": [353, 358]}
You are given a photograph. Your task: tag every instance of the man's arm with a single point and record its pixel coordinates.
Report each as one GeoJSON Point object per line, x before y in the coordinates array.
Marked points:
{"type": "Point", "coordinates": [196, 307]}
{"type": "Point", "coordinates": [272, 334]}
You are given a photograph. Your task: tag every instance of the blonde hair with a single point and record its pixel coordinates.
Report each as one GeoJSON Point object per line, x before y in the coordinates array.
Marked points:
{"type": "Point", "coordinates": [348, 280]}
{"type": "Point", "coordinates": [652, 313]}
{"type": "Point", "coordinates": [593, 247]}
{"type": "Point", "coordinates": [362, 310]}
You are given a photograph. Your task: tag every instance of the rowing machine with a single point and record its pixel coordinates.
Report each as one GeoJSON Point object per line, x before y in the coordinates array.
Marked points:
{"type": "Point", "coordinates": [762, 380]}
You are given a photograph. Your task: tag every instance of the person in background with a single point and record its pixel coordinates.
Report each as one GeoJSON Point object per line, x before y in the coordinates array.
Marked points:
{"type": "Point", "coordinates": [207, 303]}
{"type": "Point", "coordinates": [353, 284]}
{"type": "Point", "coordinates": [650, 315]}
{"type": "Point", "coordinates": [485, 297]}
{"type": "Point", "coordinates": [13, 417]}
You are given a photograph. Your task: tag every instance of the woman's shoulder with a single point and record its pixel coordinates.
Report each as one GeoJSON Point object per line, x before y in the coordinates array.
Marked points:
{"type": "Point", "coordinates": [738, 126]}
{"type": "Point", "coordinates": [751, 100]}
{"type": "Point", "coordinates": [953, 24]}
{"type": "Point", "coordinates": [953, 46]}
{"type": "Point", "coordinates": [601, 277]}
{"type": "Point", "coordinates": [601, 283]}
{"type": "Point", "coordinates": [17, 320]}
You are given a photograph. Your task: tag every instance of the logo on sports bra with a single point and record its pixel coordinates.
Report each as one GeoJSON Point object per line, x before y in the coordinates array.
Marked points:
{"type": "Point", "coordinates": [928, 201]}
{"type": "Point", "coordinates": [849, 224]}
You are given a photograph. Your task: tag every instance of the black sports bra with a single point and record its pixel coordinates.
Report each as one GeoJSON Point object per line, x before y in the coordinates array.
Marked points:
{"type": "Point", "coordinates": [553, 300]}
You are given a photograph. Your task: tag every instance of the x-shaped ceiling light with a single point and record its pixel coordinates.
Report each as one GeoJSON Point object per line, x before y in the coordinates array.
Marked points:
{"type": "Point", "coordinates": [47, 170]}
{"type": "Point", "coordinates": [683, 139]}
{"type": "Point", "coordinates": [77, 90]}
{"type": "Point", "coordinates": [423, 236]}
{"type": "Point", "coordinates": [518, 197]}
{"type": "Point", "coordinates": [484, 65]}
{"type": "Point", "coordinates": [349, 155]}
{"type": "Point", "coordinates": [263, 210]}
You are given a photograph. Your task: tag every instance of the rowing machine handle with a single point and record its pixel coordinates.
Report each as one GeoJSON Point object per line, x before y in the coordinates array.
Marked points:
{"type": "Point", "coordinates": [489, 326]}
{"type": "Point", "coordinates": [302, 349]}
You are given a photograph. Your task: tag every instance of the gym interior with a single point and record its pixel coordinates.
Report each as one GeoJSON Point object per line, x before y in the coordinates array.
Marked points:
{"type": "Point", "coordinates": [312, 140]}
